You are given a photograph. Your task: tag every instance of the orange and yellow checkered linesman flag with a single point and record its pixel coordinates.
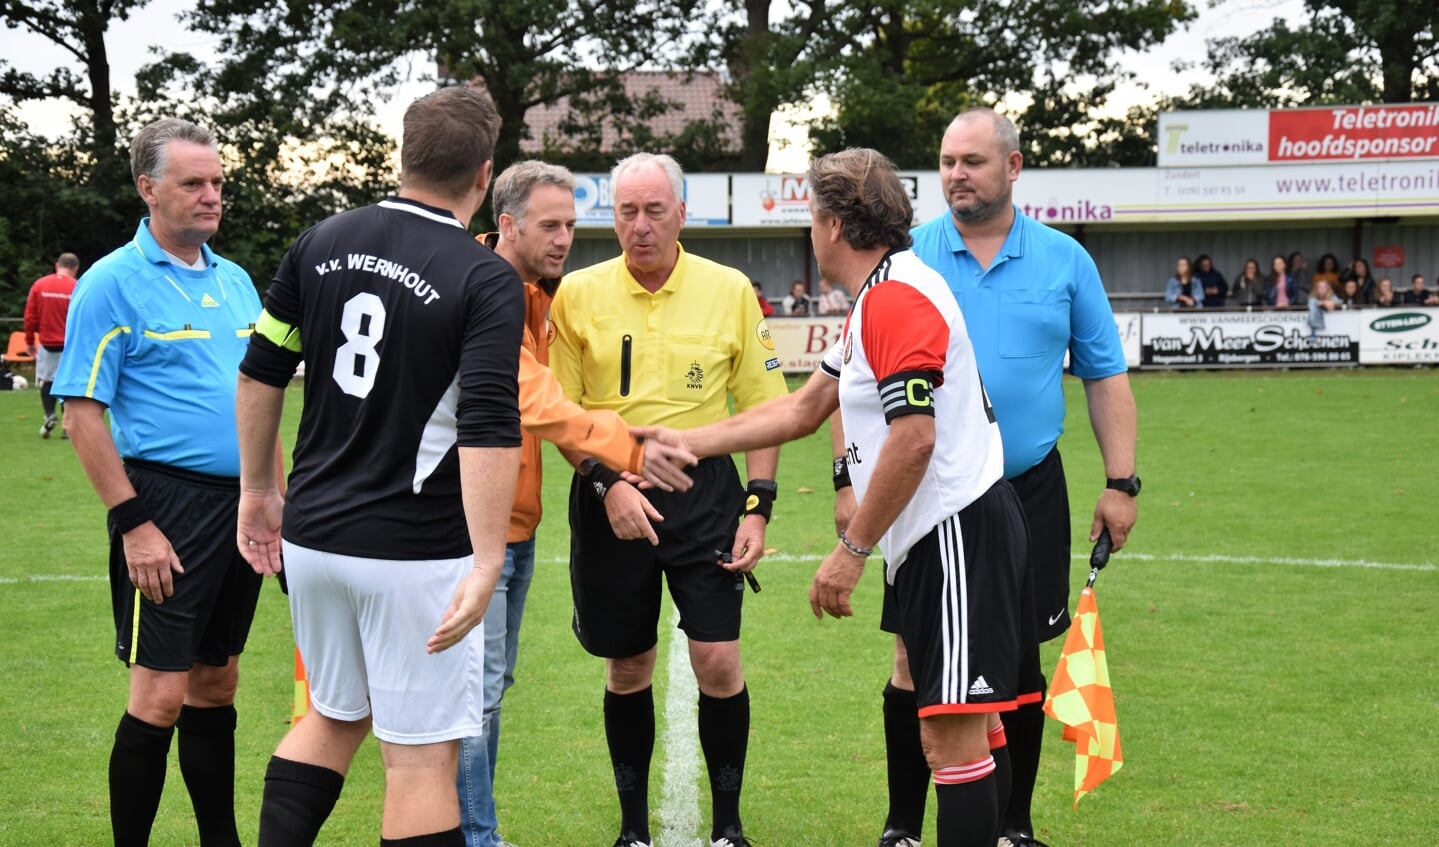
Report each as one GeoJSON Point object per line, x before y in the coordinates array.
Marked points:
{"type": "Point", "coordinates": [1081, 699]}
{"type": "Point", "coordinates": [302, 690]}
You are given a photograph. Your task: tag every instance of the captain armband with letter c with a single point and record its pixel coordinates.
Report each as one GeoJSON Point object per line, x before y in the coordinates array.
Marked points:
{"type": "Point", "coordinates": [909, 393]}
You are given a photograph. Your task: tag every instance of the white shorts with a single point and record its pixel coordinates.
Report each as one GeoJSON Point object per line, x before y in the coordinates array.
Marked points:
{"type": "Point", "coordinates": [46, 363]}
{"type": "Point", "coordinates": [361, 626]}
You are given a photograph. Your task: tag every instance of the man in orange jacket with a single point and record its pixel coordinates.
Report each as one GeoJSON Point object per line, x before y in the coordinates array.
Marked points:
{"type": "Point", "coordinates": [535, 207]}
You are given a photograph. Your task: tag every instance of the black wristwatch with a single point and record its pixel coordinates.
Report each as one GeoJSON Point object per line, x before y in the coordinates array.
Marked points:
{"type": "Point", "coordinates": [1129, 485]}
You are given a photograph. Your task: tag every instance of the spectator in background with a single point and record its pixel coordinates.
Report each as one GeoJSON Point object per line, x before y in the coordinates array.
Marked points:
{"type": "Point", "coordinates": [765, 307]}
{"type": "Point", "coordinates": [1183, 291]}
{"type": "Point", "coordinates": [1301, 279]}
{"type": "Point", "coordinates": [1384, 294]}
{"type": "Point", "coordinates": [1249, 285]}
{"type": "Point", "coordinates": [1329, 270]}
{"type": "Point", "coordinates": [1349, 295]}
{"type": "Point", "coordinates": [1418, 295]}
{"type": "Point", "coordinates": [796, 302]}
{"type": "Point", "coordinates": [1279, 287]}
{"type": "Point", "coordinates": [1359, 270]}
{"type": "Point", "coordinates": [45, 311]}
{"type": "Point", "coordinates": [1216, 289]}
{"type": "Point", "coordinates": [832, 300]}
{"type": "Point", "coordinates": [1322, 300]}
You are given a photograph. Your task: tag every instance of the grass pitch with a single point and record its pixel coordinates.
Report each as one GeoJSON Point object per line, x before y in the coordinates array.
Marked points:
{"type": "Point", "coordinates": [1269, 634]}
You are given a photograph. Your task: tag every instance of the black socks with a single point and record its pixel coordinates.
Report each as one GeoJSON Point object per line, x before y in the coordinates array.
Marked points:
{"type": "Point", "coordinates": [724, 737]}
{"type": "Point", "coordinates": [1024, 729]}
{"type": "Point", "coordinates": [207, 763]}
{"type": "Point", "coordinates": [298, 798]}
{"type": "Point", "coordinates": [449, 838]}
{"type": "Point", "coordinates": [137, 778]}
{"type": "Point", "coordinates": [908, 770]}
{"type": "Point", "coordinates": [630, 732]}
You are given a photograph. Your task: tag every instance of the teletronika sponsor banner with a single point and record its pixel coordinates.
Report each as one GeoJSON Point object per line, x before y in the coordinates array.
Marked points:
{"type": "Point", "coordinates": [706, 200]}
{"type": "Point", "coordinates": [1298, 136]}
{"type": "Point", "coordinates": [1248, 339]}
{"type": "Point", "coordinates": [801, 343]}
{"type": "Point", "coordinates": [1399, 336]}
{"type": "Point", "coordinates": [1063, 196]}
{"type": "Point", "coordinates": [1145, 195]}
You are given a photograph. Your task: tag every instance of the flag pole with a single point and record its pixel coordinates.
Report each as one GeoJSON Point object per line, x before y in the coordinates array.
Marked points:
{"type": "Point", "coordinates": [1100, 556]}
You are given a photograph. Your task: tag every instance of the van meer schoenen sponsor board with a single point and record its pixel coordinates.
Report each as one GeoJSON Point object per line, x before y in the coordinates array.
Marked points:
{"type": "Point", "coordinates": [1248, 339]}
{"type": "Point", "coordinates": [1207, 339]}
{"type": "Point", "coordinates": [1298, 136]}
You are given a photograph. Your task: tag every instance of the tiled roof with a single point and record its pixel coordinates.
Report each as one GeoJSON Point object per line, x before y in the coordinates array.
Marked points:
{"type": "Point", "coordinates": [694, 95]}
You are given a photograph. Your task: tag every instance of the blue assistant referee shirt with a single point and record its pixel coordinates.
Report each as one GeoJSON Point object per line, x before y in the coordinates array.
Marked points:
{"type": "Point", "coordinates": [161, 345]}
{"type": "Point", "coordinates": [1040, 298]}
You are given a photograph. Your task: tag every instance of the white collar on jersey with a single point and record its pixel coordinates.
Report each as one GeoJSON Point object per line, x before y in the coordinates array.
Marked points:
{"type": "Point", "coordinates": [400, 204]}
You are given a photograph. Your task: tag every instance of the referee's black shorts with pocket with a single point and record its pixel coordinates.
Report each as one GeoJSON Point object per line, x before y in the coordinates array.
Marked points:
{"type": "Point", "coordinates": [207, 619]}
{"type": "Point", "coordinates": [616, 583]}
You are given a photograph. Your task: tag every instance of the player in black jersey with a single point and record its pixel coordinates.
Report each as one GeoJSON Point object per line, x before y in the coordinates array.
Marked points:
{"type": "Point", "coordinates": [410, 334]}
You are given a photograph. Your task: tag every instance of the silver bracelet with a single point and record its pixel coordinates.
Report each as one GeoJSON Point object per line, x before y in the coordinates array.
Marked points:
{"type": "Point", "coordinates": [858, 551]}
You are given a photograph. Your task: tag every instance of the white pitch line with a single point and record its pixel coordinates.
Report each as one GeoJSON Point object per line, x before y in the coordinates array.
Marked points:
{"type": "Point", "coordinates": [54, 577]}
{"type": "Point", "coordinates": [679, 811]}
{"type": "Point", "coordinates": [1214, 558]}
{"type": "Point", "coordinates": [1271, 560]}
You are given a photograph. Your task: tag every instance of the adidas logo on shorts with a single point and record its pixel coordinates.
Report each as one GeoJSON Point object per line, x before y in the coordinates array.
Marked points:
{"type": "Point", "coordinates": [980, 686]}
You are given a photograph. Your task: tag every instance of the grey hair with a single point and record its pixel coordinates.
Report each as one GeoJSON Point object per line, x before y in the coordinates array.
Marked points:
{"type": "Point", "coordinates": [512, 189]}
{"type": "Point", "coordinates": [663, 161]}
{"type": "Point", "coordinates": [149, 151]}
{"type": "Point", "coordinates": [1006, 134]}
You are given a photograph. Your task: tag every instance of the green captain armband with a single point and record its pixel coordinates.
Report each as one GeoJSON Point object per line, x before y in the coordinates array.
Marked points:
{"type": "Point", "coordinates": [278, 333]}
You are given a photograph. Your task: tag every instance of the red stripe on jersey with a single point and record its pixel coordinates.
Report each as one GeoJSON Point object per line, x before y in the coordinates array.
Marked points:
{"type": "Point", "coordinates": [903, 331]}
{"type": "Point", "coordinates": [967, 772]}
{"type": "Point", "coordinates": [968, 708]}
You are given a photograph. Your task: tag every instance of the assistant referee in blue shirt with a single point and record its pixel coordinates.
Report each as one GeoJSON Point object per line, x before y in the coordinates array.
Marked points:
{"type": "Point", "coordinates": [1029, 295]}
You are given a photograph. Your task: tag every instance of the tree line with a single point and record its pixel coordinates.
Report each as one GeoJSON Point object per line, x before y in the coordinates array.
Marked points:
{"type": "Point", "coordinates": [291, 89]}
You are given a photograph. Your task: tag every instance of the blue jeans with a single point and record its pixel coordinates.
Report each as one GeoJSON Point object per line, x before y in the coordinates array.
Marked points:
{"type": "Point", "coordinates": [502, 644]}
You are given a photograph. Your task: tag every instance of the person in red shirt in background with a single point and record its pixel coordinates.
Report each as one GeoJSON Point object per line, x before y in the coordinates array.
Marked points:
{"type": "Point", "coordinates": [766, 308]}
{"type": "Point", "coordinates": [45, 311]}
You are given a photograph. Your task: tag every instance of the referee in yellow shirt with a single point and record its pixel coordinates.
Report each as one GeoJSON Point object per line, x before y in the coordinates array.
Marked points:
{"type": "Point", "coordinates": [662, 336]}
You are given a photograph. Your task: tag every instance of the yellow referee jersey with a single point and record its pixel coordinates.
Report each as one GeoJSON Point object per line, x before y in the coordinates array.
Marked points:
{"type": "Point", "coordinates": [671, 357]}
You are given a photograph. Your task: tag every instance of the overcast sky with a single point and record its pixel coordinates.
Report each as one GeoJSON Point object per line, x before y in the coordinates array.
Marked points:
{"type": "Point", "coordinates": [129, 42]}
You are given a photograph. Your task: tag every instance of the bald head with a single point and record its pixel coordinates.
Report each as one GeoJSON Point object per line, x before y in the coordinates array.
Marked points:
{"type": "Point", "coordinates": [1006, 134]}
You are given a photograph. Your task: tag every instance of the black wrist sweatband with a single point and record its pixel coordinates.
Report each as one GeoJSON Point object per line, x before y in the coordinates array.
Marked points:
{"type": "Point", "coordinates": [759, 498]}
{"type": "Point", "coordinates": [841, 474]}
{"type": "Point", "coordinates": [599, 478]}
{"type": "Point", "coordinates": [129, 514]}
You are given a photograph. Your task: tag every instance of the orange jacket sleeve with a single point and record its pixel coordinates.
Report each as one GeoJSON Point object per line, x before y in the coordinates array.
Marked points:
{"type": "Point", "coordinates": [546, 413]}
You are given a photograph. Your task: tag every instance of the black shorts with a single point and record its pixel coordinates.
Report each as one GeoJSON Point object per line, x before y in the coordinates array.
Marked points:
{"type": "Point", "coordinates": [1045, 495]}
{"type": "Point", "coordinates": [959, 596]}
{"type": "Point", "coordinates": [616, 584]}
{"type": "Point", "coordinates": [207, 619]}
